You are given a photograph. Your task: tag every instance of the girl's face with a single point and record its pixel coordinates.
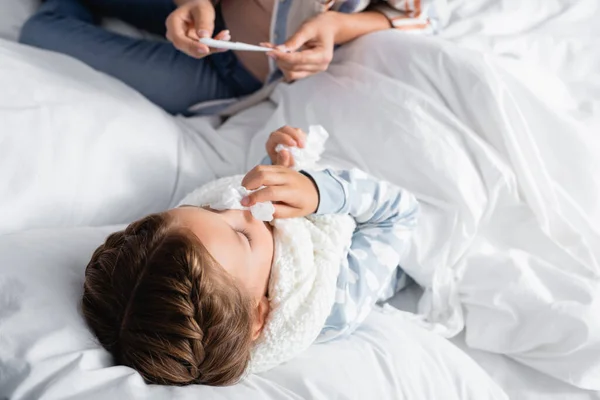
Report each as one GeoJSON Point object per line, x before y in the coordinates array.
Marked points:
{"type": "Point", "coordinates": [240, 243]}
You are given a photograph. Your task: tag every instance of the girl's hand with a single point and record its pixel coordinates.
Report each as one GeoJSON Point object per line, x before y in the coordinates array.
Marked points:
{"type": "Point", "coordinates": [192, 20]}
{"type": "Point", "coordinates": [293, 194]}
{"type": "Point", "coordinates": [292, 137]}
{"type": "Point", "coordinates": [316, 39]}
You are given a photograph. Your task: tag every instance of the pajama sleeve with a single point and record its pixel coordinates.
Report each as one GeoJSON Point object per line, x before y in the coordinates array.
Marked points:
{"type": "Point", "coordinates": [385, 216]}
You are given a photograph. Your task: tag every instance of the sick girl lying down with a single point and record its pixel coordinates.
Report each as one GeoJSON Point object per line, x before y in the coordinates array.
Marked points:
{"type": "Point", "coordinates": [212, 290]}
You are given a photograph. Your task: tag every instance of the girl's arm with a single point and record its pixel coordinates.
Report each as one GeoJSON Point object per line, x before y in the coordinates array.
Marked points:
{"type": "Point", "coordinates": [385, 216]}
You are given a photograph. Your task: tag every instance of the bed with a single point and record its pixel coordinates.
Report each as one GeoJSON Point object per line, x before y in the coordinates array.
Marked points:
{"type": "Point", "coordinates": [495, 128]}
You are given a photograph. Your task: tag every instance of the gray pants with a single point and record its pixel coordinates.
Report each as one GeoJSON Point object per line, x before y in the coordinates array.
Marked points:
{"type": "Point", "coordinates": [159, 71]}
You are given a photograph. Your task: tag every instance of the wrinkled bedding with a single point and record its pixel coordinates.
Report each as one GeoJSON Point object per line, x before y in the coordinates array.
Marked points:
{"type": "Point", "coordinates": [508, 241]}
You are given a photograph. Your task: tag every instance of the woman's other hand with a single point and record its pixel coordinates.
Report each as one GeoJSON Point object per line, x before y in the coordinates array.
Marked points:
{"type": "Point", "coordinates": [309, 50]}
{"type": "Point", "coordinates": [191, 21]}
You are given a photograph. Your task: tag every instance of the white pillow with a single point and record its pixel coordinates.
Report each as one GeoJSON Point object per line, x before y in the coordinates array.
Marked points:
{"type": "Point", "coordinates": [46, 350]}
{"type": "Point", "coordinates": [13, 14]}
{"type": "Point", "coordinates": [78, 147]}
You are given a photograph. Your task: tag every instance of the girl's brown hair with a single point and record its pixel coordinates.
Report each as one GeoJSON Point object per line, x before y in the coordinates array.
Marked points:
{"type": "Point", "coordinates": [159, 303]}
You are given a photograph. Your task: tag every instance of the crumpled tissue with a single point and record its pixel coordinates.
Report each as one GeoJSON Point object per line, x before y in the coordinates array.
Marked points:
{"type": "Point", "coordinates": [231, 199]}
{"type": "Point", "coordinates": [311, 153]}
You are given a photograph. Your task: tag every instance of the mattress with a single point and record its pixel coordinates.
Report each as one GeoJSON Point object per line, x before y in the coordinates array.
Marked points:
{"type": "Point", "coordinates": [66, 180]}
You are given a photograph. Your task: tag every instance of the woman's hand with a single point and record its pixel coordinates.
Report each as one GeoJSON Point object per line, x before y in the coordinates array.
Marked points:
{"type": "Point", "coordinates": [316, 39]}
{"type": "Point", "coordinates": [192, 20]}
{"type": "Point", "coordinates": [293, 194]}
{"type": "Point", "coordinates": [288, 136]}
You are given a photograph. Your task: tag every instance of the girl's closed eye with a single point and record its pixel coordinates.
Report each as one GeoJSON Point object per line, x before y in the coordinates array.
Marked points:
{"type": "Point", "coordinates": [246, 234]}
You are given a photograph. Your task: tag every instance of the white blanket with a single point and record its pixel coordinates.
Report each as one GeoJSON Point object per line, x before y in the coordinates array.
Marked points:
{"type": "Point", "coordinates": [509, 242]}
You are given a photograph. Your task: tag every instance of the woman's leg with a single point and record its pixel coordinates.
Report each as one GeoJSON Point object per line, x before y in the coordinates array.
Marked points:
{"type": "Point", "coordinates": [167, 77]}
{"type": "Point", "coordinates": [149, 15]}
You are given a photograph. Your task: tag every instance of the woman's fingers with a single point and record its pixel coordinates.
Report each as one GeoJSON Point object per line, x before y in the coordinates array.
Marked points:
{"type": "Point", "coordinates": [296, 76]}
{"type": "Point", "coordinates": [190, 22]}
{"type": "Point", "coordinates": [293, 72]}
{"type": "Point", "coordinates": [302, 68]}
{"type": "Point", "coordinates": [223, 35]}
{"type": "Point", "coordinates": [191, 33]}
{"type": "Point", "coordinates": [303, 35]}
{"type": "Point", "coordinates": [177, 34]}
{"type": "Point", "coordinates": [317, 57]}
{"type": "Point", "coordinates": [291, 76]}
{"type": "Point", "coordinates": [203, 14]}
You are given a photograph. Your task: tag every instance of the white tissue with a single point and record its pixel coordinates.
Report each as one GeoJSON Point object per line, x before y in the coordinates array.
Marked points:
{"type": "Point", "coordinates": [311, 153]}
{"type": "Point", "coordinates": [231, 199]}
{"type": "Point", "coordinates": [263, 211]}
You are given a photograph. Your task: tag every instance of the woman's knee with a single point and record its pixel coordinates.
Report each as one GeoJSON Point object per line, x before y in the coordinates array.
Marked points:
{"type": "Point", "coordinates": [53, 16]}
{"type": "Point", "coordinates": [35, 29]}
